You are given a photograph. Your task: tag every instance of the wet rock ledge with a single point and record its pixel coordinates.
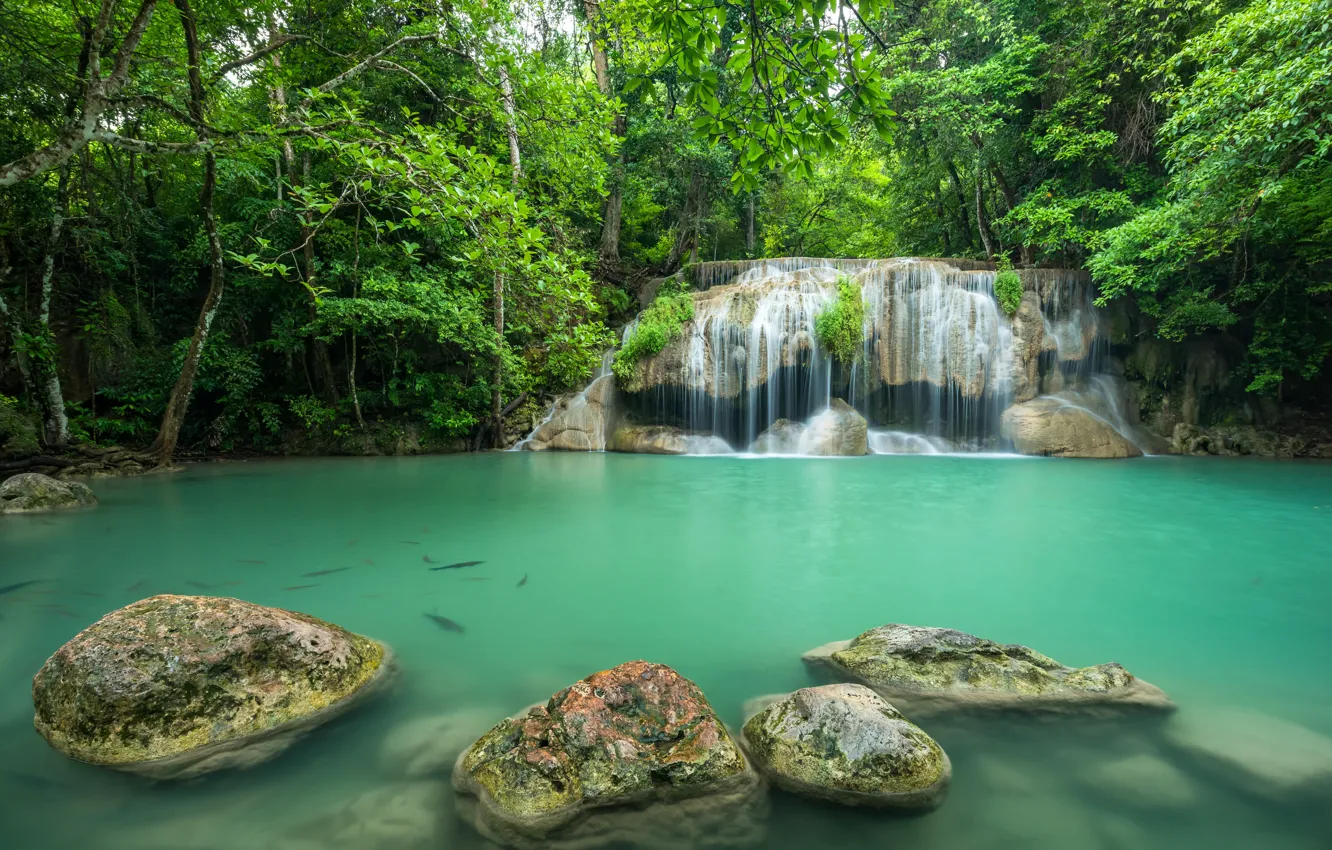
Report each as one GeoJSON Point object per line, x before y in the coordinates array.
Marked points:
{"type": "Point", "coordinates": [177, 686]}
{"type": "Point", "coordinates": [923, 670]}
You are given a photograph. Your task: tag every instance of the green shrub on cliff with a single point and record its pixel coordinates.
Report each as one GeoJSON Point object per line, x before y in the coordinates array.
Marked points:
{"type": "Point", "coordinates": [657, 326]}
{"type": "Point", "coordinates": [1008, 287]}
{"type": "Point", "coordinates": [840, 328]}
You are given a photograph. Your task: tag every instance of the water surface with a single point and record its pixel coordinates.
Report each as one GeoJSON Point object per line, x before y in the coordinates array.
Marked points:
{"type": "Point", "coordinates": [1211, 579]}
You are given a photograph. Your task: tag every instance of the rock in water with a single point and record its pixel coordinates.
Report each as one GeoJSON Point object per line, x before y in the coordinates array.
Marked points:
{"type": "Point", "coordinates": [630, 755]}
{"type": "Point", "coordinates": [1256, 752]}
{"type": "Point", "coordinates": [845, 744]}
{"type": "Point", "coordinates": [579, 422]}
{"type": "Point", "coordinates": [177, 686]}
{"type": "Point", "coordinates": [1053, 427]}
{"type": "Point", "coordinates": [922, 669]}
{"type": "Point", "coordinates": [839, 431]}
{"type": "Point", "coordinates": [649, 439]}
{"type": "Point", "coordinates": [31, 492]}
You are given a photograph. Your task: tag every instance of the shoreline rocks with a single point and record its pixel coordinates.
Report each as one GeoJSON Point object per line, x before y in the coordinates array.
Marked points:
{"type": "Point", "coordinates": [173, 687]}
{"type": "Point", "coordinates": [846, 744]}
{"type": "Point", "coordinates": [32, 492]}
{"type": "Point", "coordinates": [839, 431]}
{"type": "Point", "coordinates": [924, 670]}
{"type": "Point", "coordinates": [628, 752]}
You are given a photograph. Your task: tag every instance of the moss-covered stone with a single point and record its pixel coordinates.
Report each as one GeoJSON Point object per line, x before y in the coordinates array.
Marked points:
{"type": "Point", "coordinates": [931, 668]}
{"type": "Point", "coordinates": [176, 686]}
{"type": "Point", "coordinates": [573, 772]}
{"type": "Point", "coordinates": [32, 492]}
{"type": "Point", "coordinates": [846, 744]}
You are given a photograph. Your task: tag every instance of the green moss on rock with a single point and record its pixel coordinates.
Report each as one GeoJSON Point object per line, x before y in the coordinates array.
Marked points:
{"type": "Point", "coordinates": [171, 675]}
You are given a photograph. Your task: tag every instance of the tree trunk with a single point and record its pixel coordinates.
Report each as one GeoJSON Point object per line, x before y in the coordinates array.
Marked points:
{"type": "Point", "coordinates": [164, 447]}
{"type": "Point", "coordinates": [982, 223]}
{"type": "Point", "coordinates": [55, 424]}
{"type": "Point", "coordinates": [515, 174]}
{"type": "Point", "coordinates": [749, 227]}
{"type": "Point", "coordinates": [688, 227]}
{"type": "Point", "coordinates": [609, 249]}
{"type": "Point", "coordinates": [961, 204]}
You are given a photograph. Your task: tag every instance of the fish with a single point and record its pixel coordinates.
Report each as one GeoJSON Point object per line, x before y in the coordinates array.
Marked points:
{"type": "Point", "coordinates": [300, 586]}
{"type": "Point", "coordinates": [476, 579]}
{"type": "Point", "coordinates": [49, 606]}
{"type": "Point", "coordinates": [410, 542]}
{"type": "Point", "coordinates": [244, 561]}
{"type": "Point", "coordinates": [87, 593]}
{"type": "Point", "coordinates": [445, 623]}
{"type": "Point", "coordinates": [428, 559]}
{"type": "Point", "coordinates": [457, 566]}
{"type": "Point", "coordinates": [1257, 580]}
{"type": "Point", "coordinates": [372, 595]}
{"type": "Point", "coordinates": [201, 585]}
{"type": "Point", "coordinates": [138, 584]}
{"type": "Point", "coordinates": [64, 613]}
{"type": "Point", "coordinates": [10, 588]}
{"type": "Point", "coordinates": [368, 562]}
{"type": "Point", "coordinates": [425, 529]}
{"type": "Point", "coordinates": [325, 572]}
{"type": "Point", "coordinates": [522, 581]}
{"type": "Point", "coordinates": [353, 541]}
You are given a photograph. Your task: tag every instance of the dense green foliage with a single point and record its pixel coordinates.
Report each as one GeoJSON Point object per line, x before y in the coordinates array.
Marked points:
{"type": "Point", "coordinates": [841, 325]}
{"type": "Point", "coordinates": [1008, 287]}
{"type": "Point", "coordinates": [656, 327]}
{"type": "Point", "coordinates": [439, 213]}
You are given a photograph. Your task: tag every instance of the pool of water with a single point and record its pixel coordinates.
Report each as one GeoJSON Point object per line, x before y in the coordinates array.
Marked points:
{"type": "Point", "coordinates": [1210, 579]}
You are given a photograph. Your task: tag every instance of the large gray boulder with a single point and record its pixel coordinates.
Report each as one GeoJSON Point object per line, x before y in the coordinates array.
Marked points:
{"type": "Point", "coordinates": [31, 492]}
{"type": "Point", "coordinates": [173, 687]}
{"type": "Point", "coordinates": [649, 439]}
{"type": "Point", "coordinates": [579, 422]}
{"type": "Point", "coordinates": [846, 744]}
{"type": "Point", "coordinates": [838, 431]}
{"type": "Point", "coordinates": [924, 669]}
{"type": "Point", "coordinates": [1053, 427]}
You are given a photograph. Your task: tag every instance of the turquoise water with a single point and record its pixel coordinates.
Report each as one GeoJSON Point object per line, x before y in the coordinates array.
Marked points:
{"type": "Point", "coordinates": [1211, 579]}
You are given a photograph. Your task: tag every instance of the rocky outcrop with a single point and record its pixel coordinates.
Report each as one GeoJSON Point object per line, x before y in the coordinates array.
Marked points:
{"type": "Point", "coordinates": [1028, 342]}
{"type": "Point", "coordinates": [923, 669]}
{"type": "Point", "coordinates": [1258, 753]}
{"type": "Point", "coordinates": [649, 439]}
{"type": "Point", "coordinates": [631, 751]}
{"type": "Point", "coordinates": [177, 686]}
{"type": "Point", "coordinates": [845, 744]}
{"type": "Point", "coordinates": [839, 431]}
{"type": "Point", "coordinates": [32, 492]}
{"type": "Point", "coordinates": [579, 422]}
{"type": "Point", "coordinates": [1053, 427]}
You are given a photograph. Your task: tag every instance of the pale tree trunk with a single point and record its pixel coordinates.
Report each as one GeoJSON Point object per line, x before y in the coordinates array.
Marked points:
{"type": "Point", "coordinates": [688, 227]}
{"type": "Point", "coordinates": [749, 227]}
{"type": "Point", "coordinates": [54, 421]}
{"type": "Point", "coordinates": [515, 174]}
{"type": "Point", "coordinates": [609, 249]}
{"type": "Point", "coordinates": [165, 444]}
{"type": "Point", "coordinates": [982, 223]}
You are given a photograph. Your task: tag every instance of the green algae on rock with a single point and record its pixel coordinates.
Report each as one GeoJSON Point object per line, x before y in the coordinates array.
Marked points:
{"type": "Point", "coordinates": [172, 687]}
{"type": "Point", "coordinates": [628, 752]}
{"type": "Point", "coordinates": [846, 744]}
{"type": "Point", "coordinates": [32, 492]}
{"type": "Point", "coordinates": [924, 669]}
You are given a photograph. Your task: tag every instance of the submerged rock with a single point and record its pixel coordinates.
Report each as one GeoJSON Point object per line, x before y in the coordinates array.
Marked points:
{"type": "Point", "coordinates": [1257, 752]}
{"type": "Point", "coordinates": [923, 669]}
{"type": "Point", "coordinates": [838, 431]}
{"type": "Point", "coordinates": [405, 816]}
{"type": "Point", "coordinates": [428, 746]}
{"type": "Point", "coordinates": [1143, 780]}
{"type": "Point", "coordinates": [177, 686]}
{"type": "Point", "coordinates": [633, 754]}
{"type": "Point", "coordinates": [1053, 427]}
{"type": "Point", "coordinates": [31, 492]}
{"type": "Point", "coordinates": [846, 744]}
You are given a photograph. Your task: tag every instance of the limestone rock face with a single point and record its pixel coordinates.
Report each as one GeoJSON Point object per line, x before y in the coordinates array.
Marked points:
{"type": "Point", "coordinates": [32, 492]}
{"type": "Point", "coordinates": [178, 686]}
{"type": "Point", "coordinates": [628, 752]}
{"type": "Point", "coordinates": [649, 439]}
{"type": "Point", "coordinates": [1028, 340]}
{"type": "Point", "coordinates": [1260, 754]}
{"type": "Point", "coordinates": [924, 669]}
{"type": "Point", "coordinates": [839, 431]}
{"type": "Point", "coordinates": [579, 422]}
{"type": "Point", "coordinates": [846, 744]}
{"type": "Point", "coordinates": [1053, 427]}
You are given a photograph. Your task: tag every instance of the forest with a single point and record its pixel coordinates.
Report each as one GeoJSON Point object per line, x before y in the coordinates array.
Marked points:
{"type": "Point", "coordinates": [223, 224]}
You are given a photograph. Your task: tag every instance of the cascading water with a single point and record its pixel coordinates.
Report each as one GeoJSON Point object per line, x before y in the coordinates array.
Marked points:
{"type": "Point", "coordinates": [939, 363]}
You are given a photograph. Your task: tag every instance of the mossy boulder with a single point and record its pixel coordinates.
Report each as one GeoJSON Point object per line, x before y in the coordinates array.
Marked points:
{"type": "Point", "coordinates": [32, 492]}
{"type": "Point", "coordinates": [923, 669]}
{"type": "Point", "coordinates": [178, 686]}
{"type": "Point", "coordinates": [631, 751]}
{"type": "Point", "coordinates": [846, 744]}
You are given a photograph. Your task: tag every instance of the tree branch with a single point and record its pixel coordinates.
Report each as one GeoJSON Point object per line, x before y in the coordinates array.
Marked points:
{"type": "Point", "coordinates": [276, 43]}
